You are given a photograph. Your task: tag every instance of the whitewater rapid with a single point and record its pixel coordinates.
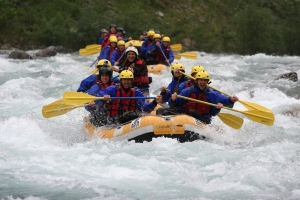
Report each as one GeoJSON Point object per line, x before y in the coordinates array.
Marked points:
{"type": "Point", "coordinates": [54, 159]}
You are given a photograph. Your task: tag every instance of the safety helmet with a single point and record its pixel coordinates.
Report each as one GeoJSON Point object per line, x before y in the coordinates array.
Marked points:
{"type": "Point", "coordinates": [150, 33]}
{"type": "Point", "coordinates": [132, 48]}
{"type": "Point", "coordinates": [126, 74]}
{"type": "Point", "coordinates": [156, 36]}
{"type": "Point", "coordinates": [166, 39]}
{"type": "Point", "coordinates": [103, 62]}
{"type": "Point", "coordinates": [105, 70]}
{"type": "Point", "coordinates": [177, 65]}
{"type": "Point", "coordinates": [203, 75]}
{"type": "Point", "coordinates": [113, 39]}
{"type": "Point", "coordinates": [121, 42]}
{"type": "Point", "coordinates": [119, 29]}
{"type": "Point", "coordinates": [113, 26]}
{"type": "Point", "coordinates": [197, 68]}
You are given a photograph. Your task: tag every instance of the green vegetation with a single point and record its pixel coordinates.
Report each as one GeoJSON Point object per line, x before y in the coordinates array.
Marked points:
{"type": "Point", "coordinates": [217, 26]}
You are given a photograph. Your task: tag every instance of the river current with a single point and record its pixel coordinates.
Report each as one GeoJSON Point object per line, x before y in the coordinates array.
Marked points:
{"type": "Point", "coordinates": [54, 159]}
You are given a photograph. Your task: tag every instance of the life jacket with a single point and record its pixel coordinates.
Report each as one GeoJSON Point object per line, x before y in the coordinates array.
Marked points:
{"type": "Point", "coordinates": [141, 79]}
{"type": "Point", "coordinates": [120, 106]}
{"type": "Point", "coordinates": [106, 39]}
{"type": "Point", "coordinates": [160, 56]}
{"type": "Point", "coordinates": [189, 83]}
{"type": "Point", "coordinates": [111, 50]}
{"type": "Point", "coordinates": [120, 53]}
{"type": "Point", "coordinates": [199, 107]}
{"type": "Point", "coordinates": [102, 86]}
{"type": "Point", "coordinates": [148, 42]}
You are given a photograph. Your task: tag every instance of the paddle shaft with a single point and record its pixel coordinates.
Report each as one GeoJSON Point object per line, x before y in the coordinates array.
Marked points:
{"type": "Point", "coordinates": [163, 54]}
{"type": "Point", "coordinates": [94, 62]}
{"type": "Point", "coordinates": [215, 105]}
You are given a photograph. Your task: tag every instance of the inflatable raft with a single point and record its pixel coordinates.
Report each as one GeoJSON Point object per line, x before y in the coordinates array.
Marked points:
{"type": "Point", "coordinates": [156, 69]}
{"type": "Point", "coordinates": [182, 127]}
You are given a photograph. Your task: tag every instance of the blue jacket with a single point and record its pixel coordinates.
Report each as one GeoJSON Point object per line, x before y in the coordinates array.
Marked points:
{"type": "Point", "coordinates": [170, 55]}
{"type": "Point", "coordinates": [172, 88]}
{"type": "Point", "coordinates": [104, 53]}
{"type": "Point", "coordinates": [100, 40]}
{"type": "Point", "coordinates": [211, 96]}
{"type": "Point", "coordinates": [144, 48]}
{"type": "Point", "coordinates": [153, 50]}
{"type": "Point", "coordinates": [91, 80]}
{"type": "Point", "coordinates": [114, 56]}
{"type": "Point", "coordinates": [142, 105]}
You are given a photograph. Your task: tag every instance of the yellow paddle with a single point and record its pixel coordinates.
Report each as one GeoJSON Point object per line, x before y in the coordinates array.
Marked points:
{"type": "Point", "coordinates": [139, 43]}
{"type": "Point", "coordinates": [176, 47]}
{"type": "Point", "coordinates": [93, 46]}
{"type": "Point", "coordinates": [248, 105]}
{"type": "Point", "coordinates": [228, 119]}
{"type": "Point", "coordinates": [262, 117]}
{"type": "Point", "coordinates": [189, 55]}
{"type": "Point", "coordinates": [231, 120]}
{"type": "Point", "coordinates": [58, 108]}
{"type": "Point", "coordinates": [71, 98]}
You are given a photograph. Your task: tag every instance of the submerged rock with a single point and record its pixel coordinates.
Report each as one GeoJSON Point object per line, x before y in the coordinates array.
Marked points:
{"type": "Point", "coordinates": [290, 76]}
{"type": "Point", "coordinates": [19, 55]}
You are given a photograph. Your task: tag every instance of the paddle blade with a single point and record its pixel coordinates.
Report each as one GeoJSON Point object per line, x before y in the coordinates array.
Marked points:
{"type": "Point", "coordinates": [136, 43]}
{"type": "Point", "coordinates": [79, 98]}
{"type": "Point", "coordinates": [92, 46]}
{"type": "Point", "coordinates": [255, 106]}
{"type": "Point", "coordinates": [57, 108]}
{"type": "Point", "coordinates": [177, 56]}
{"type": "Point", "coordinates": [176, 47]}
{"type": "Point", "coordinates": [82, 52]}
{"type": "Point", "coordinates": [231, 120]}
{"type": "Point", "coordinates": [190, 55]}
{"type": "Point", "coordinates": [266, 118]}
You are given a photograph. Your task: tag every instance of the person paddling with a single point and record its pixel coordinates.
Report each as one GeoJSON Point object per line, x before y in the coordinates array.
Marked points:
{"type": "Point", "coordinates": [124, 110]}
{"type": "Point", "coordinates": [138, 67]}
{"type": "Point", "coordinates": [200, 91]}
{"type": "Point", "coordinates": [93, 79]}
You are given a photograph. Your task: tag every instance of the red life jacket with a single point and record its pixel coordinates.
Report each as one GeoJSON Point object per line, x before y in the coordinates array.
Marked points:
{"type": "Point", "coordinates": [111, 50]}
{"type": "Point", "coordinates": [189, 83]}
{"type": "Point", "coordinates": [148, 42]}
{"type": "Point", "coordinates": [141, 79]}
{"type": "Point", "coordinates": [160, 56]}
{"type": "Point", "coordinates": [120, 106]}
{"type": "Point", "coordinates": [199, 107]}
{"type": "Point", "coordinates": [106, 39]}
{"type": "Point", "coordinates": [120, 53]}
{"type": "Point", "coordinates": [102, 86]}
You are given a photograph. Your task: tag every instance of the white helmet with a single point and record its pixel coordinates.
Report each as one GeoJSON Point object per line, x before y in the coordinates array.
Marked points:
{"type": "Point", "coordinates": [132, 48]}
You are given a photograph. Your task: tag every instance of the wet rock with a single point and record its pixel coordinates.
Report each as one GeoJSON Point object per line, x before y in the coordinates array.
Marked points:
{"type": "Point", "coordinates": [48, 52]}
{"type": "Point", "coordinates": [19, 55]}
{"type": "Point", "coordinates": [2, 52]}
{"type": "Point", "coordinates": [290, 76]}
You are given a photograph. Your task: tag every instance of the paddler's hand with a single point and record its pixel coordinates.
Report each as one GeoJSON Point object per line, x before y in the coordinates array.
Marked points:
{"type": "Point", "coordinates": [157, 43]}
{"type": "Point", "coordinates": [92, 103]}
{"type": "Point", "coordinates": [130, 69]}
{"type": "Point", "coordinates": [174, 96]}
{"type": "Point", "coordinates": [163, 89]}
{"type": "Point", "coordinates": [116, 63]}
{"type": "Point", "coordinates": [219, 106]}
{"type": "Point", "coordinates": [159, 99]}
{"type": "Point", "coordinates": [106, 97]}
{"type": "Point", "coordinates": [234, 99]}
{"type": "Point", "coordinates": [130, 38]}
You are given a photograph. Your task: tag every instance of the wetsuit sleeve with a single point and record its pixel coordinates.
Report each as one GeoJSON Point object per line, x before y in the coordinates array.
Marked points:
{"type": "Point", "coordinates": [113, 57]}
{"type": "Point", "coordinates": [87, 83]}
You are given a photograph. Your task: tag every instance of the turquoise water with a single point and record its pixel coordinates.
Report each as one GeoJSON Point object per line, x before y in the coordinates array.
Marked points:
{"type": "Point", "coordinates": [54, 159]}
